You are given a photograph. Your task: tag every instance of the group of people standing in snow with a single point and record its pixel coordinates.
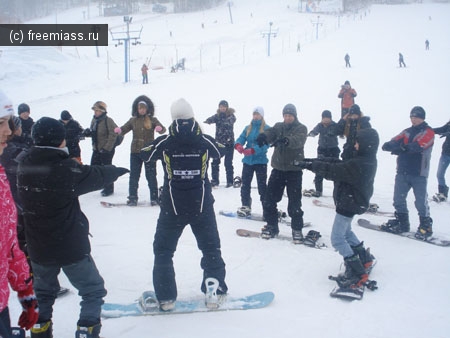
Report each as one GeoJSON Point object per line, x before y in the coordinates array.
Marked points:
{"type": "Point", "coordinates": [42, 169]}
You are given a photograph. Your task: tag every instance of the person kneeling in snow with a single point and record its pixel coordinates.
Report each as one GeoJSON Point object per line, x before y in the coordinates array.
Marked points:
{"type": "Point", "coordinates": [353, 189]}
{"type": "Point", "coordinates": [186, 199]}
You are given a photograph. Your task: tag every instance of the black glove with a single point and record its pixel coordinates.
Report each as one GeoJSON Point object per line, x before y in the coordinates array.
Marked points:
{"type": "Point", "coordinates": [262, 140]}
{"type": "Point", "coordinates": [122, 171]}
{"type": "Point", "coordinates": [281, 141]}
{"type": "Point", "coordinates": [387, 146]}
{"type": "Point", "coordinates": [87, 132]}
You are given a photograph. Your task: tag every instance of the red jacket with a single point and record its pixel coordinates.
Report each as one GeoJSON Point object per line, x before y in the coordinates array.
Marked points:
{"type": "Point", "coordinates": [347, 96]}
{"type": "Point", "coordinates": [13, 263]}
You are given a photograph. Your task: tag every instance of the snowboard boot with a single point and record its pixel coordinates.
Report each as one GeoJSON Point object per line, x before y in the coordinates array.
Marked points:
{"type": "Point", "coordinates": [215, 183]}
{"type": "Point", "coordinates": [132, 201]}
{"type": "Point", "coordinates": [269, 231]}
{"type": "Point", "coordinates": [167, 305]}
{"type": "Point", "coordinates": [297, 236]}
{"type": "Point", "coordinates": [442, 195]}
{"type": "Point", "coordinates": [425, 229]}
{"type": "Point", "coordinates": [42, 330]}
{"type": "Point", "coordinates": [312, 237]}
{"type": "Point", "coordinates": [244, 211]}
{"type": "Point", "coordinates": [364, 255]}
{"type": "Point", "coordinates": [355, 275]}
{"type": "Point", "coordinates": [237, 182]}
{"type": "Point", "coordinates": [373, 208]}
{"type": "Point", "coordinates": [88, 331]}
{"type": "Point", "coordinates": [398, 225]}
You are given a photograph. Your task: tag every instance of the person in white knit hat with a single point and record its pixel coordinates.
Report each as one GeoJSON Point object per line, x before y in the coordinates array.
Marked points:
{"type": "Point", "coordinates": [186, 198]}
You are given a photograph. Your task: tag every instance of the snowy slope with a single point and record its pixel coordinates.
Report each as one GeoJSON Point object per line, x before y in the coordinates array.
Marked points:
{"type": "Point", "coordinates": [413, 277]}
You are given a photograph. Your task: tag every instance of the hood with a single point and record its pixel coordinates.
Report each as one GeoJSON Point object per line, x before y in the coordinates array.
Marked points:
{"type": "Point", "coordinates": [185, 131]}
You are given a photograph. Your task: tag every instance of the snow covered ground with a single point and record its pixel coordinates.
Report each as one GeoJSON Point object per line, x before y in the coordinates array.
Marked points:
{"type": "Point", "coordinates": [229, 61]}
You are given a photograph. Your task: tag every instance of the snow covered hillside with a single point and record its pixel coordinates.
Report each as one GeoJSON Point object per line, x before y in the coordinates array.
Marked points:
{"type": "Point", "coordinates": [229, 61]}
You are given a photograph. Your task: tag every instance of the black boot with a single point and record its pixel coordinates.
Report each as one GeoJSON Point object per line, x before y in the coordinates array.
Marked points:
{"type": "Point", "coordinates": [364, 255]}
{"type": "Point", "coordinates": [425, 229]}
{"type": "Point", "coordinates": [355, 274]}
{"type": "Point", "coordinates": [398, 225]}
{"type": "Point", "coordinates": [88, 331]}
{"type": "Point", "coordinates": [443, 189]}
{"type": "Point", "coordinates": [132, 201]}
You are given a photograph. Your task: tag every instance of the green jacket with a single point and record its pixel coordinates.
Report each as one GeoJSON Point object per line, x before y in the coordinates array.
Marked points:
{"type": "Point", "coordinates": [143, 133]}
{"type": "Point", "coordinates": [284, 155]}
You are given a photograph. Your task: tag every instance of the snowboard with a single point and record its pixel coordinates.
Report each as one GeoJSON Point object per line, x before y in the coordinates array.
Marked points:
{"type": "Point", "coordinates": [330, 206]}
{"type": "Point", "coordinates": [151, 308]}
{"type": "Point", "coordinates": [432, 240]}
{"type": "Point", "coordinates": [123, 204]}
{"type": "Point", "coordinates": [353, 293]}
{"type": "Point", "coordinates": [257, 234]}
{"type": "Point", "coordinates": [256, 217]}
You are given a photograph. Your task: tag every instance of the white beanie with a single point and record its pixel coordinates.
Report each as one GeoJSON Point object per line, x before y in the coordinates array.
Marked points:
{"type": "Point", "coordinates": [259, 110]}
{"type": "Point", "coordinates": [181, 109]}
{"type": "Point", "coordinates": [6, 106]}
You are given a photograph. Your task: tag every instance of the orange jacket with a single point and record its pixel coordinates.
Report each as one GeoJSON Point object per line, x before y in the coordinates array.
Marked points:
{"type": "Point", "coordinates": [347, 96]}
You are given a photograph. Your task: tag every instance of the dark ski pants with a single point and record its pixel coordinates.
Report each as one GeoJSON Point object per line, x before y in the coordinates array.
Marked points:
{"type": "Point", "coordinates": [135, 174]}
{"type": "Point", "coordinates": [247, 176]}
{"type": "Point", "coordinates": [324, 153]}
{"type": "Point", "coordinates": [5, 324]}
{"type": "Point", "coordinates": [403, 184]}
{"type": "Point", "coordinates": [103, 158]}
{"type": "Point", "coordinates": [168, 231]}
{"type": "Point", "coordinates": [83, 275]}
{"type": "Point", "coordinates": [292, 181]}
{"type": "Point", "coordinates": [228, 154]}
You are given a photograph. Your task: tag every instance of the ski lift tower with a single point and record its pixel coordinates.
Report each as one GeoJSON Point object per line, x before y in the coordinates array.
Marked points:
{"type": "Point", "coordinates": [269, 34]}
{"type": "Point", "coordinates": [123, 38]}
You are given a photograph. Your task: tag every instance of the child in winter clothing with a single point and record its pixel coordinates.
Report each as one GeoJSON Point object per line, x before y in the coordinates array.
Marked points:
{"type": "Point", "coordinates": [328, 146]}
{"type": "Point", "coordinates": [413, 147]}
{"type": "Point", "coordinates": [254, 161]}
{"type": "Point", "coordinates": [143, 124]}
{"type": "Point", "coordinates": [444, 161]}
{"type": "Point", "coordinates": [27, 122]}
{"type": "Point", "coordinates": [186, 199]}
{"type": "Point", "coordinates": [288, 138]}
{"type": "Point", "coordinates": [57, 232]}
{"type": "Point", "coordinates": [224, 120]}
{"type": "Point", "coordinates": [14, 269]}
{"type": "Point", "coordinates": [353, 188]}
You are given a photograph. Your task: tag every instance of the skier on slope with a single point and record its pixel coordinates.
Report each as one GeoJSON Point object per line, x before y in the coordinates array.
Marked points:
{"type": "Point", "coordinates": [353, 189]}
{"type": "Point", "coordinates": [186, 199]}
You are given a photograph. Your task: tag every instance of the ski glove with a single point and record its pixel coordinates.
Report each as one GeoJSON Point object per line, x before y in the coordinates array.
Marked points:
{"type": "Point", "coordinates": [30, 308]}
{"type": "Point", "coordinates": [158, 129]}
{"type": "Point", "coordinates": [262, 140]}
{"type": "Point", "coordinates": [239, 148]}
{"type": "Point", "coordinates": [122, 171]}
{"type": "Point", "coordinates": [117, 130]}
{"type": "Point", "coordinates": [248, 152]}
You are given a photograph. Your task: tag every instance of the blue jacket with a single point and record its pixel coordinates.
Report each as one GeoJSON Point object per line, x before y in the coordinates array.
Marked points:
{"type": "Point", "coordinates": [260, 155]}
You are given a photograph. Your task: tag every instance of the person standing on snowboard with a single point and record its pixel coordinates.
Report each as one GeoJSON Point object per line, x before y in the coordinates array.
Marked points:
{"type": "Point", "coordinates": [186, 198]}
{"type": "Point", "coordinates": [353, 188]}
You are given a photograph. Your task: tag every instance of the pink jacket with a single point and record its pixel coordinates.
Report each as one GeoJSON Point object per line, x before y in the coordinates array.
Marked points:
{"type": "Point", "coordinates": [13, 263]}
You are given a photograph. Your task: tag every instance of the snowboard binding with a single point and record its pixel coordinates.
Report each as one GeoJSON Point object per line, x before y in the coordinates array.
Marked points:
{"type": "Point", "coordinates": [311, 238]}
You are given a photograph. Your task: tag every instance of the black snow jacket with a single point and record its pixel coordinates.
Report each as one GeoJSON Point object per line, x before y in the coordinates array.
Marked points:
{"type": "Point", "coordinates": [349, 128]}
{"type": "Point", "coordinates": [185, 155]}
{"type": "Point", "coordinates": [49, 183]}
{"type": "Point", "coordinates": [353, 178]}
{"type": "Point", "coordinates": [224, 126]}
{"type": "Point", "coordinates": [444, 131]}
{"type": "Point", "coordinates": [73, 136]}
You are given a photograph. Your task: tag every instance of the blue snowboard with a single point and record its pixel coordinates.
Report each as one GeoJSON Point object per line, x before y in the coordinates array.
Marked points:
{"type": "Point", "coordinates": [256, 301]}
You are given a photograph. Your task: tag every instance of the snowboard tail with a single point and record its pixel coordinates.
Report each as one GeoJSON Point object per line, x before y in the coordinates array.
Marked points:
{"type": "Point", "coordinates": [117, 310]}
